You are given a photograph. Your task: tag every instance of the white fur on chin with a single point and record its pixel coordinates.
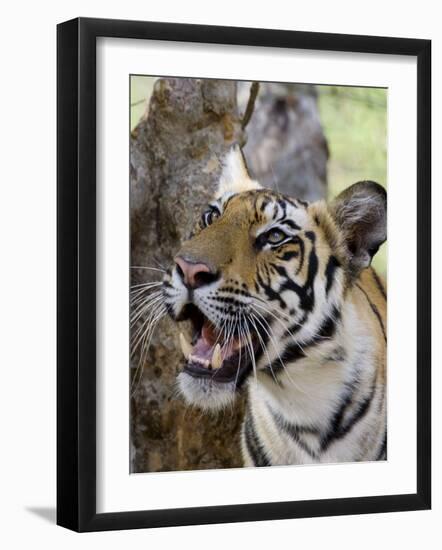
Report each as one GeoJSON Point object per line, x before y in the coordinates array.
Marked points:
{"type": "Point", "coordinates": [206, 394]}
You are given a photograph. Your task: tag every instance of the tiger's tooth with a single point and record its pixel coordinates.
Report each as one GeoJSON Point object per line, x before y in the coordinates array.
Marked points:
{"type": "Point", "coordinates": [217, 360]}
{"type": "Point", "coordinates": [186, 348]}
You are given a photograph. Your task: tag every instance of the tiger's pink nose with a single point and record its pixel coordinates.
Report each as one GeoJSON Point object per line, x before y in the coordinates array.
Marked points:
{"type": "Point", "coordinates": [194, 274]}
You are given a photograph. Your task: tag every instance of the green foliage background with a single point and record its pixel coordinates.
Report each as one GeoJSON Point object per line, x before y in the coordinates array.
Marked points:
{"type": "Point", "coordinates": [355, 125]}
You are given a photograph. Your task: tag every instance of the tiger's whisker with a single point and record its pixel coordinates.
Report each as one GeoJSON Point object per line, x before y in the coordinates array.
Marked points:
{"type": "Point", "coordinates": [284, 366]}
{"type": "Point", "coordinates": [238, 320]}
{"type": "Point", "coordinates": [142, 307]}
{"type": "Point", "coordinates": [145, 302]}
{"type": "Point", "coordinates": [139, 370]}
{"type": "Point", "coordinates": [144, 297]}
{"type": "Point", "coordinates": [145, 285]}
{"type": "Point", "coordinates": [137, 337]}
{"type": "Point", "coordinates": [252, 354]}
{"type": "Point", "coordinates": [264, 349]}
{"type": "Point", "coordinates": [148, 268]}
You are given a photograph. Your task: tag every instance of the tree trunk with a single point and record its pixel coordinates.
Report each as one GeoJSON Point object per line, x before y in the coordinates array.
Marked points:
{"type": "Point", "coordinates": [175, 162]}
{"type": "Point", "coordinates": [286, 149]}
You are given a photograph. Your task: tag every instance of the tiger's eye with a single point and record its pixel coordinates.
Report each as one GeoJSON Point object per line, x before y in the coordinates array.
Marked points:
{"type": "Point", "coordinates": [275, 236]}
{"type": "Point", "coordinates": [210, 216]}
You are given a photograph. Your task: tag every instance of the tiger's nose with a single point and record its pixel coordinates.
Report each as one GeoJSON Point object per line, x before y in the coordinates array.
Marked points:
{"type": "Point", "coordinates": [195, 274]}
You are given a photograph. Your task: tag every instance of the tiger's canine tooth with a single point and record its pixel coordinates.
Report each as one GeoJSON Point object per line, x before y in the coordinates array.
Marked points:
{"type": "Point", "coordinates": [217, 360]}
{"type": "Point", "coordinates": [186, 348]}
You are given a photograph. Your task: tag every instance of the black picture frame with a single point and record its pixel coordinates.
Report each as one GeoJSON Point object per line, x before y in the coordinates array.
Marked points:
{"type": "Point", "coordinates": [76, 273]}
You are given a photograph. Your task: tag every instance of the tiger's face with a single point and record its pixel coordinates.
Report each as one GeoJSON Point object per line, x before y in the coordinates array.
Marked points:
{"type": "Point", "coordinates": [261, 275]}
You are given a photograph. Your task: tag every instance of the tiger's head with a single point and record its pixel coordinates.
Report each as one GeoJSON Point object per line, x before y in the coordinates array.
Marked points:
{"type": "Point", "coordinates": [262, 276]}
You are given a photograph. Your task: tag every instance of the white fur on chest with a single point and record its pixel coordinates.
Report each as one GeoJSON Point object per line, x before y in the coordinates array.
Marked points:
{"type": "Point", "coordinates": [309, 393]}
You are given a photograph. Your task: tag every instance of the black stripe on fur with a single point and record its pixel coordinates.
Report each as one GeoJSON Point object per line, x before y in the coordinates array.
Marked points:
{"type": "Point", "coordinates": [375, 311]}
{"type": "Point", "coordinates": [295, 432]}
{"type": "Point", "coordinates": [338, 429]}
{"type": "Point", "coordinates": [293, 351]}
{"type": "Point", "coordinates": [382, 454]}
{"type": "Point", "coordinates": [253, 443]}
{"type": "Point", "coordinates": [330, 270]}
{"type": "Point", "coordinates": [379, 283]}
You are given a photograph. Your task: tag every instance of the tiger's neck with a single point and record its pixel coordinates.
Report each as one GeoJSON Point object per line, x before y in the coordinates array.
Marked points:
{"type": "Point", "coordinates": [327, 402]}
{"type": "Point", "coordinates": [307, 389]}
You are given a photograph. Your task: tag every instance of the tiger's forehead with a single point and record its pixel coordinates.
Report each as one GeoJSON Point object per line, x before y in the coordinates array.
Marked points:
{"type": "Point", "coordinates": [264, 207]}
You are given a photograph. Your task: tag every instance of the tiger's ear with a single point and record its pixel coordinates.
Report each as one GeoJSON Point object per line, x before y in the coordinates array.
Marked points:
{"type": "Point", "coordinates": [361, 213]}
{"type": "Point", "coordinates": [234, 175]}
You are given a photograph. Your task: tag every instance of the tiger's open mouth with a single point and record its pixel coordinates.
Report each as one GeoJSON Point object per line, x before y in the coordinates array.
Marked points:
{"type": "Point", "coordinates": [220, 355]}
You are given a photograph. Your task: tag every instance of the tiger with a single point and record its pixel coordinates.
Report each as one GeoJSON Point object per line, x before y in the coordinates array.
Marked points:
{"type": "Point", "coordinates": [285, 306]}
